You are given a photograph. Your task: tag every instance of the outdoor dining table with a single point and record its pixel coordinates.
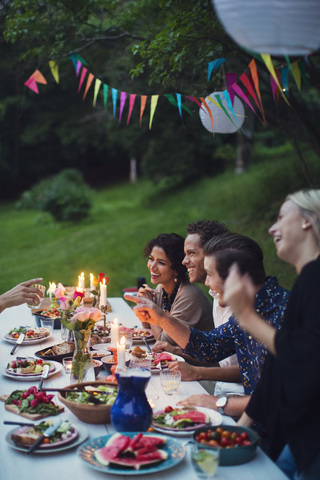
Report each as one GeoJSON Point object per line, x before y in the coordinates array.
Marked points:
{"type": "Point", "coordinates": [68, 464]}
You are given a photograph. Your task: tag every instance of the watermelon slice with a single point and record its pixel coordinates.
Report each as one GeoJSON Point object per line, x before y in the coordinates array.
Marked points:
{"type": "Point", "coordinates": [135, 453]}
{"type": "Point", "coordinates": [194, 417]}
{"type": "Point", "coordinates": [164, 356]}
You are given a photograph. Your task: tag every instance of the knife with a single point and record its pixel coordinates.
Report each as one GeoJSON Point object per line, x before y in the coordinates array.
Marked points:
{"type": "Point", "coordinates": [44, 375]}
{"type": "Point", "coordinates": [147, 345]}
{"type": "Point", "coordinates": [46, 434]}
{"type": "Point", "coordinates": [18, 342]}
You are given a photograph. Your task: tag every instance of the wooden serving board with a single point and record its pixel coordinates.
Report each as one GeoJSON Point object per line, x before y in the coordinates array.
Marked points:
{"type": "Point", "coordinates": [30, 416]}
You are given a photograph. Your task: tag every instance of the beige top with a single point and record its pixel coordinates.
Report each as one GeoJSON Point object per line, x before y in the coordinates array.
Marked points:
{"type": "Point", "coordinates": [191, 306]}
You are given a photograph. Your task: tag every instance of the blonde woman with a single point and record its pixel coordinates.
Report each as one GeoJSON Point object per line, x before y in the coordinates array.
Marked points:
{"type": "Point", "coordinates": [287, 399]}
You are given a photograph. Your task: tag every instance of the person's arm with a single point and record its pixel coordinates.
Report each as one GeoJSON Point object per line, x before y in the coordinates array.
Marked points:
{"type": "Point", "coordinates": [192, 372]}
{"type": "Point", "coordinates": [239, 294]}
{"type": "Point", "coordinates": [245, 420]}
{"type": "Point", "coordinates": [148, 311]}
{"type": "Point", "coordinates": [234, 408]}
{"type": "Point", "coordinates": [21, 293]}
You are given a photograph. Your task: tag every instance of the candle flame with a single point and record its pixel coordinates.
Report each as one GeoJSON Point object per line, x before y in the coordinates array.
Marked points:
{"type": "Point", "coordinates": [82, 275]}
{"type": "Point", "coordinates": [115, 322]}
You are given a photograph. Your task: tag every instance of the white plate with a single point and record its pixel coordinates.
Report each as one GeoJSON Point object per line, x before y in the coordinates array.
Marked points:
{"type": "Point", "coordinates": [82, 436]}
{"type": "Point", "coordinates": [215, 420]}
{"type": "Point", "coordinates": [31, 378]}
{"type": "Point", "coordinates": [26, 341]}
{"type": "Point", "coordinates": [157, 369]}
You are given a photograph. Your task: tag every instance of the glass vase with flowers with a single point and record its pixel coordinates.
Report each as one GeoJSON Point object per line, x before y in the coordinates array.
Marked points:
{"type": "Point", "coordinates": [67, 306]}
{"type": "Point", "coordinates": [81, 324]}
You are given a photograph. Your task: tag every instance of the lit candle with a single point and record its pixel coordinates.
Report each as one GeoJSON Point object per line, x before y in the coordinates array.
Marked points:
{"type": "Point", "coordinates": [114, 332]}
{"type": "Point", "coordinates": [51, 289]}
{"type": "Point", "coordinates": [103, 293]}
{"type": "Point", "coordinates": [91, 281]}
{"type": "Point", "coordinates": [121, 347]}
{"type": "Point", "coordinates": [81, 282]}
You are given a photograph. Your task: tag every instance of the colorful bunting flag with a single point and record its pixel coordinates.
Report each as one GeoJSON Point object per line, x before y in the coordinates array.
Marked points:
{"type": "Point", "coordinates": [83, 74]}
{"type": "Point", "coordinates": [284, 74]}
{"type": "Point", "coordinates": [114, 94]}
{"type": "Point", "coordinates": [153, 106]}
{"type": "Point", "coordinates": [231, 79]}
{"type": "Point", "coordinates": [54, 70]}
{"type": "Point", "coordinates": [208, 111]}
{"type": "Point", "coordinates": [35, 78]}
{"type": "Point", "coordinates": [123, 97]}
{"type": "Point", "coordinates": [142, 106]}
{"type": "Point", "coordinates": [131, 103]}
{"type": "Point", "coordinates": [75, 57]}
{"type": "Point", "coordinates": [230, 106]}
{"type": "Point", "coordinates": [268, 62]}
{"type": "Point", "coordinates": [89, 81]}
{"type": "Point", "coordinates": [78, 67]}
{"type": "Point", "coordinates": [254, 75]}
{"type": "Point", "coordinates": [105, 95]}
{"type": "Point", "coordinates": [31, 83]}
{"type": "Point", "coordinates": [97, 86]}
{"type": "Point", "coordinates": [214, 65]}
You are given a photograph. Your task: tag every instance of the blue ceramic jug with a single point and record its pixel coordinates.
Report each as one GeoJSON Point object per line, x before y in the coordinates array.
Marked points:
{"type": "Point", "coordinates": [131, 411]}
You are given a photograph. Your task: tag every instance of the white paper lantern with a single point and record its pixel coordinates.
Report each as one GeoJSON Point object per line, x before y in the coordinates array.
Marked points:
{"type": "Point", "coordinates": [221, 122]}
{"type": "Point", "coordinates": [276, 27]}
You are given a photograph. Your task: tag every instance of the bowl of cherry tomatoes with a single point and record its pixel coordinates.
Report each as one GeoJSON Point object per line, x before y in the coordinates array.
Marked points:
{"type": "Point", "coordinates": [238, 444]}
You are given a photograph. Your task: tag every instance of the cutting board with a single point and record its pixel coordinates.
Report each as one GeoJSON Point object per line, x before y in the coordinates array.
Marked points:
{"type": "Point", "coordinates": [30, 416]}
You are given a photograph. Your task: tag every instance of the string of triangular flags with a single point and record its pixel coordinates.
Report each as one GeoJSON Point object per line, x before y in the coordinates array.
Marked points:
{"type": "Point", "coordinates": [279, 82]}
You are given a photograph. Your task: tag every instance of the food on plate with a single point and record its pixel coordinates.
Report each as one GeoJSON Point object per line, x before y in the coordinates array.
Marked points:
{"type": "Point", "coordinates": [141, 333]}
{"type": "Point", "coordinates": [32, 401]}
{"type": "Point", "coordinates": [180, 418]}
{"type": "Point", "coordinates": [108, 395]}
{"type": "Point", "coordinates": [51, 312]}
{"type": "Point", "coordinates": [28, 366]}
{"type": "Point", "coordinates": [164, 358]}
{"type": "Point", "coordinates": [138, 352]}
{"type": "Point", "coordinates": [28, 435]}
{"type": "Point", "coordinates": [223, 438]}
{"type": "Point", "coordinates": [28, 332]}
{"type": "Point", "coordinates": [62, 348]}
{"type": "Point", "coordinates": [134, 453]}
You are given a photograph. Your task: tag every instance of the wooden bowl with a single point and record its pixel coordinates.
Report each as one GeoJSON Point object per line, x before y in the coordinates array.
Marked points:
{"type": "Point", "coordinates": [94, 414]}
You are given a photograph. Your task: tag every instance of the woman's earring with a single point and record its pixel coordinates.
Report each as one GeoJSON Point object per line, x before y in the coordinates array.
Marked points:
{"type": "Point", "coordinates": [304, 226]}
{"type": "Point", "coordinates": [175, 279]}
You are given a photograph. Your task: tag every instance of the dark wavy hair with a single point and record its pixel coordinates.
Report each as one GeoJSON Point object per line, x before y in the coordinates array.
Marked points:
{"type": "Point", "coordinates": [236, 248]}
{"type": "Point", "coordinates": [173, 245]}
{"type": "Point", "coordinates": [207, 229]}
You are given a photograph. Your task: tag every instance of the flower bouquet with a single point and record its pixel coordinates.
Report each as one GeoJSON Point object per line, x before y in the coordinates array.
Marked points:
{"type": "Point", "coordinates": [81, 324]}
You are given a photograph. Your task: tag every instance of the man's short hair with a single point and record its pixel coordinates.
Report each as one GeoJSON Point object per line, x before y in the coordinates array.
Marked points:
{"type": "Point", "coordinates": [207, 229]}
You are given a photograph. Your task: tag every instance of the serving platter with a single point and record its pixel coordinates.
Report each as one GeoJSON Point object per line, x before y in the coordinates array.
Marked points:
{"type": "Point", "coordinates": [82, 435]}
{"type": "Point", "coordinates": [176, 452]}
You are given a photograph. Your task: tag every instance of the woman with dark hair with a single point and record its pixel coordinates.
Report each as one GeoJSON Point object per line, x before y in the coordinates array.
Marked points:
{"type": "Point", "coordinates": [174, 293]}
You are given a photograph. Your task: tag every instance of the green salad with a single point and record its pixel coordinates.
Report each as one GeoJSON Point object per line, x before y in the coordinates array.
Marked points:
{"type": "Point", "coordinates": [107, 396]}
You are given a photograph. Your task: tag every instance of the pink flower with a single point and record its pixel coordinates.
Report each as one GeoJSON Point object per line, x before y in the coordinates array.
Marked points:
{"type": "Point", "coordinates": [78, 294]}
{"type": "Point", "coordinates": [64, 303]}
{"type": "Point", "coordinates": [83, 313]}
{"type": "Point", "coordinates": [94, 314]}
{"type": "Point", "coordinates": [60, 291]}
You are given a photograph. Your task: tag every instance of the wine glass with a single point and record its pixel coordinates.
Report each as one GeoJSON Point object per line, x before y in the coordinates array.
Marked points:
{"type": "Point", "coordinates": [170, 381]}
{"type": "Point", "coordinates": [42, 289]}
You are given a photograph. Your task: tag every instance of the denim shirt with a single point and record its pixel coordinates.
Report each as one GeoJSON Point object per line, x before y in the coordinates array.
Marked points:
{"type": "Point", "coordinates": [270, 303]}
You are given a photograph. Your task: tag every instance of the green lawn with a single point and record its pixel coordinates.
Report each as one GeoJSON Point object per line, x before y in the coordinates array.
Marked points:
{"type": "Point", "coordinates": [125, 217]}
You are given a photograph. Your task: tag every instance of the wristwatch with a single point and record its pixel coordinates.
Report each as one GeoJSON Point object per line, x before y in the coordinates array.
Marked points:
{"type": "Point", "coordinates": [221, 403]}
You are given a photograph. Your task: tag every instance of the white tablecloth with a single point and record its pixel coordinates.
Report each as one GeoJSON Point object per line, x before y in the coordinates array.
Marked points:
{"type": "Point", "coordinates": [18, 465]}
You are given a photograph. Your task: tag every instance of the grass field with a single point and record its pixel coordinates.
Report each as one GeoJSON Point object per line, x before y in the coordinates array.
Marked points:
{"type": "Point", "coordinates": [125, 217]}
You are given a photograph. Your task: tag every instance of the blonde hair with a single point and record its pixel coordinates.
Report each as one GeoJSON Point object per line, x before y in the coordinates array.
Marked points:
{"type": "Point", "coordinates": [309, 203]}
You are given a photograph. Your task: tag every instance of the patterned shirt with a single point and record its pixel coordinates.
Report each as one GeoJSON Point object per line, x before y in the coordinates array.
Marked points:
{"type": "Point", "coordinates": [270, 303]}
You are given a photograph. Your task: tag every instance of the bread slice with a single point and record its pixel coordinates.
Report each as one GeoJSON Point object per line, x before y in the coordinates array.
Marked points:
{"type": "Point", "coordinates": [63, 348]}
{"type": "Point", "coordinates": [25, 436]}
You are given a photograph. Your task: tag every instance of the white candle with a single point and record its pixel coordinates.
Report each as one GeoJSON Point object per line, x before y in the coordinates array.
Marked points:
{"type": "Point", "coordinates": [114, 332]}
{"type": "Point", "coordinates": [103, 293]}
{"type": "Point", "coordinates": [121, 347]}
{"type": "Point", "coordinates": [81, 282]}
{"type": "Point", "coordinates": [91, 281]}
{"type": "Point", "coordinates": [51, 289]}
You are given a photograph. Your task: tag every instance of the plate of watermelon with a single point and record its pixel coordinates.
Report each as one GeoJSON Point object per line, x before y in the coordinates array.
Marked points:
{"type": "Point", "coordinates": [131, 453]}
{"type": "Point", "coordinates": [183, 421]}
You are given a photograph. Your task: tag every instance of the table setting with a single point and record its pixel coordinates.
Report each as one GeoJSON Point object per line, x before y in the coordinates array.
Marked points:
{"type": "Point", "coordinates": [154, 447]}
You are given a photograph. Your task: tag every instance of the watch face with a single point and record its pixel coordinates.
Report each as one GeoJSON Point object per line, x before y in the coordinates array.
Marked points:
{"type": "Point", "coordinates": [222, 401]}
